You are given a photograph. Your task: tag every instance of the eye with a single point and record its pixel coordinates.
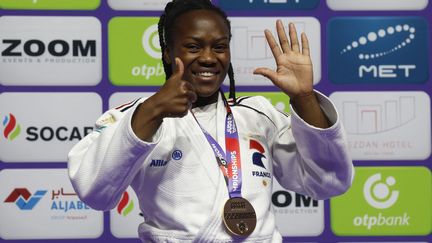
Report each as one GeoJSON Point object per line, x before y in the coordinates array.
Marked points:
{"type": "Point", "coordinates": [220, 48]}
{"type": "Point", "coordinates": [192, 48]}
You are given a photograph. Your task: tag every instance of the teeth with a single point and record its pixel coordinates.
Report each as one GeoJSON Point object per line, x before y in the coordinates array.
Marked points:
{"type": "Point", "coordinates": [206, 74]}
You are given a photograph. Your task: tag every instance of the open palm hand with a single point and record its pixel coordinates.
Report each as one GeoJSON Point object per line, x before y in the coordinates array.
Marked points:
{"type": "Point", "coordinates": [294, 74]}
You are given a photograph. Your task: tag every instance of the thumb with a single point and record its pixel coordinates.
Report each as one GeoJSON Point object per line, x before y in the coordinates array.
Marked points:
{"type": "Point", "coordinates": [179, 68]}
{"type": "Point", "coordinates": [266, 72]}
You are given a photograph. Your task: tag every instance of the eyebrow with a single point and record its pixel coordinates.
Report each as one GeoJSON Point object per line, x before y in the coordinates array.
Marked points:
{"type": "Point", "coordinates": [199, 39]}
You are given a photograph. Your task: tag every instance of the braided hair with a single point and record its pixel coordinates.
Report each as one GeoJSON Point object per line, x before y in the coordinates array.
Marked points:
{"type": "Point", "coordinates": [172, 11]}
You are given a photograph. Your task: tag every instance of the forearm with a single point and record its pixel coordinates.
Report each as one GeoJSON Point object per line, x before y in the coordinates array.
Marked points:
{"type": "Point", "coordinates": [102, 165]}
{"type": "Point", "coordinates": [318, 165]}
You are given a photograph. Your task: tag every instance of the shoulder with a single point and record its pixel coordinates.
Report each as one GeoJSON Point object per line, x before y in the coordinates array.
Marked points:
{"type": "Point", "coordinates": [126, 106]}
{"type": "Point", "coordinates": [258, 105]}
{"type": "Point", "coordinates": [257, 101]}
{"type": "Point", "coordinates": [115, 114]}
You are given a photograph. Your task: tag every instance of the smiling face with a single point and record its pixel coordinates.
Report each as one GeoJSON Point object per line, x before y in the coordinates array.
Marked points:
{"type": "Point", "coordinates": [200, 39]}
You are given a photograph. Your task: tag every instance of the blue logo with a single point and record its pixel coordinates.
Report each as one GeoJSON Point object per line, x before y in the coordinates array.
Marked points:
{"type": "Point", "coordinates": [158, 163]}
{"type": "Point", "coordinates": [177, 154]}
{"type": "Point", "coordinates": [257, 156]}
{"type": "Point", "coordinates": [378, 50]}
{"type": "Point", "coordinates": [267, 4]}
{"type": "Point", "coordinates": [24, 199]}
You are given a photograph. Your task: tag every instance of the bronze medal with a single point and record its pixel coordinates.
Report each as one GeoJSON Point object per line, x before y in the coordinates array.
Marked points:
{"type": "Point", "coordinates": [239, 216]}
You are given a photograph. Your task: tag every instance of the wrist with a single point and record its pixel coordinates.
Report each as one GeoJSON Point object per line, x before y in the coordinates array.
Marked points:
{"type": "Point", "coordinates": [146, 120]}
{"type": "Point", "coordinates": [150, 110]}
{"type": "Point", "coordinates": [146, 112]}
{"type": "Point", "coordinates": [303, 98]}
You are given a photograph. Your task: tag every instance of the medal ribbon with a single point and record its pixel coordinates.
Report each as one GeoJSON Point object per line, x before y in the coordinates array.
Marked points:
{"type": "Point", "coordinates": [229, 161]}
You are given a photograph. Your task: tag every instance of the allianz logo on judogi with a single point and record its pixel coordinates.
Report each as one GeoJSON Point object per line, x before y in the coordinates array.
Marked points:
{"type": "Point", "coordinates": [268, 4]}
{"type": "Point", "coordinates": [46, 205]}
{"type": "Point", "coordinates": [378, 50]}
{"type": "Point", "coordinates": [43, 127]}
{"type": "Point", "coordinates": [50, 50]}
{"type": "Point", "coordinates": [386, 125]}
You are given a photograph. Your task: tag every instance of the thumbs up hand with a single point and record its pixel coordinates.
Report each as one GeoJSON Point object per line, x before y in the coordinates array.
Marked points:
{"type": "Point", "coordinates": [174, 99]}
{"type": "Point", "coordinates": [176, 96]}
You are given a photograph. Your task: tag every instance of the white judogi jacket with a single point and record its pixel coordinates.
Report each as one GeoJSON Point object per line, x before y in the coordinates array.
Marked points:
{"type": "Point", "coordinates": [181, 189]}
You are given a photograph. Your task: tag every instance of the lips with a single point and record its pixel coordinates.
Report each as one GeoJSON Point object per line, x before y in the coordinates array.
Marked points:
{"type": "Point", "coordinates": [205, 74]}
{"type": "Point", "coordinates": [206, 81]}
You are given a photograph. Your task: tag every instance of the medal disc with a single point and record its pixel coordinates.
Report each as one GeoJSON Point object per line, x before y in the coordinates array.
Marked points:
{"type": "Point", "coordinates": [239, 216]}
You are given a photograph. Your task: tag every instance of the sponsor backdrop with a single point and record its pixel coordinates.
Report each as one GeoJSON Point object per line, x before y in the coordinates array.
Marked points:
{"type": "Point", "coordinates": [64, 62]}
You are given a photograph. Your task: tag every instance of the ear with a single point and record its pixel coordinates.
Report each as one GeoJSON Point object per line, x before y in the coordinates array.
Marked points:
{"type": "Point", "coordinates": [166, 56]}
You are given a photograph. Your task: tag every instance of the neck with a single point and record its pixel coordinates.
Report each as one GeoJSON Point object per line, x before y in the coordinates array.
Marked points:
{"type": "Point", "coordinates": [203, 101]}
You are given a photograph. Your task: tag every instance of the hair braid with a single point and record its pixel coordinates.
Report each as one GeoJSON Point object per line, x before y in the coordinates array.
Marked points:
{"type": "Point", "coordinates": [232, 83]}
{"type": "Point", "coordinates": [162, 43]}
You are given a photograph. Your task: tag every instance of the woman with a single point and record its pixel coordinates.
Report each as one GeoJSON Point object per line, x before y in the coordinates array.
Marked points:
{"type": "Point", "coordinates": [202, 166]}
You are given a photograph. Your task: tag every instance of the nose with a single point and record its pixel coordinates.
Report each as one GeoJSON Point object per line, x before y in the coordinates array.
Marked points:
{"type": "Point", "coordinates": [207, 57]}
